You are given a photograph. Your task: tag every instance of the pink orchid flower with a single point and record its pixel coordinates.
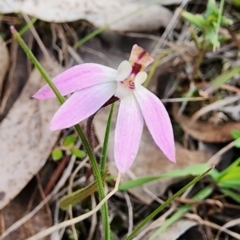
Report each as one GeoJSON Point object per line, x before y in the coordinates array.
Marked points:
{"type": "Point", "coordinates": [93, 85]}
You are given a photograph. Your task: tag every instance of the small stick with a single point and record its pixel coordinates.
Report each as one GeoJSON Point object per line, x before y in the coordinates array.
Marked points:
{"type": "Point", "coordinates": [75, 220]}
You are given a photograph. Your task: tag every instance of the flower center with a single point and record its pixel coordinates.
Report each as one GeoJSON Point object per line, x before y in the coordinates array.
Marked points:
{"type": "Point", "coordinates": [130, 74]}
{"type": "Point", "coordinates": [129, 81]}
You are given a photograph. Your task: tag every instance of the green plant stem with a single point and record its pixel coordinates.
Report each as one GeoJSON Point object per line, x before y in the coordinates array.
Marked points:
{"type": "Point", "coordinates": [105, 27]}
{"type": "Point", "coordinates": [195, 37]}
{"type": "Point", "coordinates": [202, 194]}
{"type": "Point", "coordinates": [77, 196]}
{"type": "Point", "coordinates": [90, 36]}
{"type": "Point", "coordinates": [220, 12]}
{"type": "Point", "coordinates": [155, 65]}
{"type": "Point", "coordinates": [37, 64]}
{"type": "Point", "coordinates": [26, 27]}
{"type": "Point", "coordinates": [165, 204]}
{"type": "Point", "coordinates": [105, 143]}
{"type": "Point", "coordinates": [202, 50]}
{"type": "Point", "coordinates": [89, 151]}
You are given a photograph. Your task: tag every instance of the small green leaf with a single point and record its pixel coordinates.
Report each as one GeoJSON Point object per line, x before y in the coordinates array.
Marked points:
{"type": "Point", "coordinates": [233, 184]}
{"type": "Point", "coordinates": [214, 174]}
{"type": "Point", "coordinates": [231, 194]}
{"type": "Point", "coordinates": [211, 8]}
{"type": "Point", "coordinates": [230, 177]}
{"type": "Point", "coordinates": [57, 154]}
{"type": "Point", "coordinates": [212, 36]}
{"type": "Point", "coordinates": [235, 134]}
{"type": "Point", "coordinates": [195, 19]}
{"type": "Point", "coordinates": [137, 182]}
{"type": "Point", "coordinates": [223, 78]}
{"type": "Point", "coordinates": [230, 168]}
{"type": "Point", "coordinates": [69, 140]}
{"type": "Point", "coordinates": [75, 197]}
{"type": "Point", "coordinates": [77, 152]}
{"type": "Point", "coordinates": [233, 174]}
{"type": "Point", "coordinates": [226, 21]}
{"type": "Point", "coordinates": [237, 143]}
{"type": "Point", "coordinates": [192, 170]}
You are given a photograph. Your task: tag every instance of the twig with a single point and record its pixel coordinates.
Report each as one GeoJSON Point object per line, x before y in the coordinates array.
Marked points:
{"type": "Point", "coordinates": [130, 212]}
{"type": "Point", "coordinates": [94, 219]}
{"type": "Point", "coordinates": [70, 222]}
{"type": "Point", "coordinates": [37, 38]}
{"type": "Point", "coordinates": [228, 225]}
{"type": "Point", "coordinates": [215, 105]}
{"type": "Point", "coordinates": [70, 191]}
{"type": "Point", "coordinates": [155, 224]}
{"type": "Point", "coordinates": [169, 27]}
{"type": "Point", "coordinates": [212, 225]}
{"type": "Point", "coordinates": [54, 177]}
{"type": "Point", "coordinates": [214, 160]}
{"type": "Point", "coordinates": [145, 189]}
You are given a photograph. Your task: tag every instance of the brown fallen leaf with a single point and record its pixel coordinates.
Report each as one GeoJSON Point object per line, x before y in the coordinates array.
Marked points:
{"type": "Point", "coordinates": [16, 209]}
{"type": "Point", "coordinates": [206, 131]}
{"type": "Point", "coordinates": [150, 160]}
{"type": "Point", "coordinates": [25, 139]}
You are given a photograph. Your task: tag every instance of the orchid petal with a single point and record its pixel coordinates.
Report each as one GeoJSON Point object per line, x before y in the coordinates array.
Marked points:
{"type": "Point", "coordinates": [128, 133]}
{"type": "Point", "coordinates": [77, 78]}
{"type": "Point", "coordinates": [157, 120]}
{"type": "Point", "coordinates": [140, 79]}
{"type": "Point", "coordinates": [123, 71]}
{"type": "Point", "coordinates": [140, 56]}
{"type": "Point", "coordinates": [122, 91]}
{"type": "Point", "coordinates": [81, 105]}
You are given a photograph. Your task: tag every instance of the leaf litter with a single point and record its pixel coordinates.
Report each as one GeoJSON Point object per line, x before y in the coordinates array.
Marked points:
{"type": "Point", "coordinates": [25, 139]}
{"type": "Point", "coordinates": [102, 12]}
{"type": "Point", "coordinates": [145, 197]}
{"type": "Point", "coordinates": [4, 63]}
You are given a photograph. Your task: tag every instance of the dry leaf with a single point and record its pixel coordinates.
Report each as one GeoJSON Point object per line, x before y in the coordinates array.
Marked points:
{"type": "Point", "coordinates": [4, 63]}
{"type": "Point", "coordinates": [99, 13]}
{"type": "Point", "coordinates": [174, 231]}
{"type": "Point", "coordinates": [17, 77]}
{"type": "Point", "coordinates": [206, 131]}
{"type": "Point", "coordinates": [233, 112]}
{"type": "Point", "coordinates": [150, 160]}
{"type": "Point", "coordinates": [25, 139]}
{"type": "Point", "coordinates": [16, 209]}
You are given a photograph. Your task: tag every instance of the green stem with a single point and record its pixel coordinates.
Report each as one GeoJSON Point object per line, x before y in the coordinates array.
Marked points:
{"type": "Point", "coordinates": [90, 36]}
{"type": "Point", "coordinates": [155, 65]}
{"type": "Point", "coordinates": [89, 151]}
{"type": "Point", "coordinates": [202, 194]}
{"type": "Point", "coordinates": [195, 37]}
{"type": "Point", "coordinates": [26, 27]}
{"type": "Point", "coordinates": [165, 204]}
{"type": "Point", "coordinates": [105, 27]}
{"type": "Point", "coordinates": [105, 143]}
{"type": "Point", "coordinates": [37, 65]}
{"type": "Point", "coordinates": [199, 60]}
{"type": "Point", "coordinates": [220, 12]}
